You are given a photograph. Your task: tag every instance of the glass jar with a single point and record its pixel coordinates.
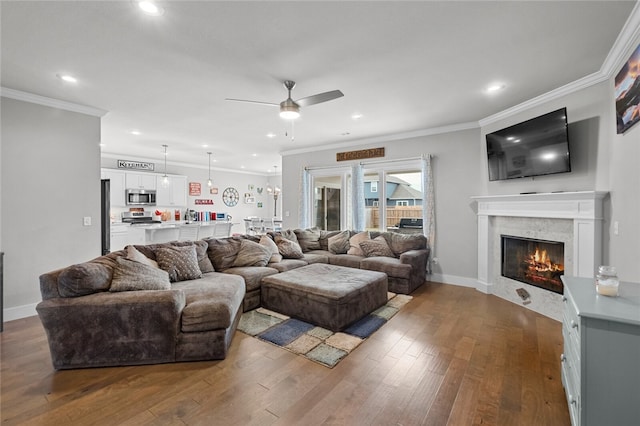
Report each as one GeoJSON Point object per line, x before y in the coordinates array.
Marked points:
{"type": "Point", "coordinates": [607, 281]}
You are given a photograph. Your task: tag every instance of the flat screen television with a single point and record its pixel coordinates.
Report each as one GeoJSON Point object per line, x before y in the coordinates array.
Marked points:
{"type": "Point", "coordinates": [536, 147]}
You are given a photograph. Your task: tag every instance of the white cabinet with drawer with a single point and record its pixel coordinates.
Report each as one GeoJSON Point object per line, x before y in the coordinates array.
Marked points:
{"type": "Point", "coordinates": [601, 359]}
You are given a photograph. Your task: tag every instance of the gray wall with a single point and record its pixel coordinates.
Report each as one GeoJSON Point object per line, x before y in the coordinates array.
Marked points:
{"type": "Point", "coordinates": [50, 181]}
{"type": "Point", "coordinates": [456, 165]}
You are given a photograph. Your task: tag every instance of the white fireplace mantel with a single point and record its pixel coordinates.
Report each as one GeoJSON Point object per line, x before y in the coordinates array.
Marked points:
{"type": "Point", "coordinates": [584, 208]}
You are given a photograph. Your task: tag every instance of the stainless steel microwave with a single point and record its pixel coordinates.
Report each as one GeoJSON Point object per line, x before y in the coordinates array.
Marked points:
{"type": "Point", "coordinates": [140, 197]}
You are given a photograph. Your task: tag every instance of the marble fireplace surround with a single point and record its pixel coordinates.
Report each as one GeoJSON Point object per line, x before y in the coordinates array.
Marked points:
{"type": "Point", "coordinates": [574, 218]}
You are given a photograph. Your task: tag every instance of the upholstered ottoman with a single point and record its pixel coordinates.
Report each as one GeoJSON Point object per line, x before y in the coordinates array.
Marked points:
{"type": "Point", "coordinates": [329, 296]}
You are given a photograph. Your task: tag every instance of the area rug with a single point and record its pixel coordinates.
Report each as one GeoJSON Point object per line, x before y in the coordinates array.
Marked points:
{"type": "Point", "coordinates": [316, 343]}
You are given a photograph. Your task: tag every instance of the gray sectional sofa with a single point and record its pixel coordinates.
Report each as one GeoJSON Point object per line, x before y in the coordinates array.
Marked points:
{"type": "Point", "coordinates": [181, 301]}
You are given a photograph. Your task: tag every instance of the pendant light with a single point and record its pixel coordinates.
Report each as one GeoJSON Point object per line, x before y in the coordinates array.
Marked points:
{"type": "Point", "coordinates": [209, 182]}
{"type": "Point", "coordinates": [165, 178]}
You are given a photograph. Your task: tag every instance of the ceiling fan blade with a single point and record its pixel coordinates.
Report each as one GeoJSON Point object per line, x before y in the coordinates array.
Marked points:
{"type": "Point", "coordinates": [320, 97]}
{"type": "Point", "coordinates": [252, 102]}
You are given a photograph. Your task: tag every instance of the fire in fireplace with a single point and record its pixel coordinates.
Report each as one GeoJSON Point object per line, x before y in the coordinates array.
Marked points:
{"type": "Point", "coordinates": [536, 262]}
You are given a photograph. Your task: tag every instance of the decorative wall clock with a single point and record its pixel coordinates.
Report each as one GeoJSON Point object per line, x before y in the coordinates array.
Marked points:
{"type": "Point", "coordinates": [230, 196]}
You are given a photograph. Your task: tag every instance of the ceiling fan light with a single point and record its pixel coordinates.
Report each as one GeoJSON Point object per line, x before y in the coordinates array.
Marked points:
{"type": "Point", "coordinates": [289, 110]}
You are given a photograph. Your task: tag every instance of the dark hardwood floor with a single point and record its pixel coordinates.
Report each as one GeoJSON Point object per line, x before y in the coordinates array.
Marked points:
{"type": "Point", "coordinates": [452, 356]}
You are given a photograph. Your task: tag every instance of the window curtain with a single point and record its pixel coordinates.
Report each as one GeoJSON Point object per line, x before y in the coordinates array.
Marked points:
{"type": "Point", "coordinates": [428, 210]}
{"type": "Point", "coordinates": [357, 197]}
{"type": "Point", "coordinates": [304, 207]}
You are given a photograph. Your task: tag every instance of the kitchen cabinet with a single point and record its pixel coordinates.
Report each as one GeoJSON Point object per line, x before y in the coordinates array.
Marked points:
{"type": "Point", "coordinates": [173, 194]}
{"type": "Point", "coordinates": [140, 180]}
{"type": "Point", "coordinates": [601, 360]}
{"type": "Point", "coordinates": [116, 178]}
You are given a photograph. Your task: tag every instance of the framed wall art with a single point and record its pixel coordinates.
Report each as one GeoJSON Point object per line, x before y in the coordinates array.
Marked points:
{"type": "Point", "coordinates": [627, 93]}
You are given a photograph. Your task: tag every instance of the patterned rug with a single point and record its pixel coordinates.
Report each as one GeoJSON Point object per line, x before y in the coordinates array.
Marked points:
{"type": "Point", "coordinates": [316, 343]}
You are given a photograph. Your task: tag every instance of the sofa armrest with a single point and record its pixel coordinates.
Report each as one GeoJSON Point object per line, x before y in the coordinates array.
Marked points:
{"type": "Point", "coordinates": [418, 261]}
{"type": "Point", "coordinates": [133, 327]}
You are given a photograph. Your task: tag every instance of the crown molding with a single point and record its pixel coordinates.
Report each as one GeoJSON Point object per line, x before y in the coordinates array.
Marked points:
{"type": "Point", "coordinates": [387, 138]}
{"type": "Point", "coordinates": [50, 102]}
{"type": "Point", "coordinates": [619, 52]}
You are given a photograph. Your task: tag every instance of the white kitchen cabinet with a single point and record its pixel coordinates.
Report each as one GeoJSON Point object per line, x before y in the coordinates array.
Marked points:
{"type": "Point", "coordinates": [601, 360]}
{"type": "Point", "coordinates": [173, 194]}
{"type": "Point", "coordinates": [116, 178]}
{"type": "Point", "coordinates": [135, 180]}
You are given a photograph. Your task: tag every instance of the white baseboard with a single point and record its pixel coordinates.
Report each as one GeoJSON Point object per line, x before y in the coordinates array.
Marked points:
{"type": "Point", "coordinates": [461, 281]}
{"type": "Point", "coordinates": [24, 311]}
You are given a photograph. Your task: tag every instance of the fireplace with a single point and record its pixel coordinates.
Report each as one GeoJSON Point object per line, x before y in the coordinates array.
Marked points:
{"type": "Point", "coordinates": [532, 261]}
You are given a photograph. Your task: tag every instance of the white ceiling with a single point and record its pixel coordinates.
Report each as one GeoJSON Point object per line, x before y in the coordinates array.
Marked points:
{"type": "Point", "coordinates": [405, 66]}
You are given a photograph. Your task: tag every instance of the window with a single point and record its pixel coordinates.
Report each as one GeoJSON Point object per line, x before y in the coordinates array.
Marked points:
{"type": "Point", "coordinates": [402, 203]}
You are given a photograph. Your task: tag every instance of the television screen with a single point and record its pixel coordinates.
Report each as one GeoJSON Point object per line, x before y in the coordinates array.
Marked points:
{"type": "Point", "coordinates": [539, 146]}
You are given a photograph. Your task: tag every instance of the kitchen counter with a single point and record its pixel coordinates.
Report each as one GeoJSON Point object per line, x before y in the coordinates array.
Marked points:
{"type": "Point", "coordinates": [153, 233]}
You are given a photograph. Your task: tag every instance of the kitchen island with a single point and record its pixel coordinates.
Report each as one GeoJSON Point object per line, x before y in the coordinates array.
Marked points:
{"type": "Point", "coordinates": [123, 234]}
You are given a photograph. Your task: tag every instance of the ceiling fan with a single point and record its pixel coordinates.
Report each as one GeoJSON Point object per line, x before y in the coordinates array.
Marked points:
{"type": "Point", "coordinates": [290, 109]}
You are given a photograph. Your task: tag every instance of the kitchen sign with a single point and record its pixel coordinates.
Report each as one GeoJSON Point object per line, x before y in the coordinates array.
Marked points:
{"type": "Point", "coordinates": [360, 155]}
{"type": "Point", "coordinates": [195, 189]}
{"type": "Point", "coordinates": [137, 165]}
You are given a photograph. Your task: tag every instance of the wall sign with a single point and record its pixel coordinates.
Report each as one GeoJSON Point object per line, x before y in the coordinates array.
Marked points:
{"type": "Point", "coordinates": [137, 165]}
{"type": "Point", "coordinates": [360, 155]}
{"type": "Point", "coordinates": [204, 201]}
{"type": "Point", "coordinates": [195, 189]}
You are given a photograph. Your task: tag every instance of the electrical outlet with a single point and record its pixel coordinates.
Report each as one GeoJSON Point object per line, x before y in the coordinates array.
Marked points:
{"type": "Point", "coordinates": [615, 228]}
{"type": "Point", "coordinates": [286, 214]}
{"type": "Point", "coordinates": [86, 221]}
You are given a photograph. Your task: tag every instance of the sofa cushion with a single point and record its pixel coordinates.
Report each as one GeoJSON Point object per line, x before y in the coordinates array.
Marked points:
{"type": "Point", "coordinates": [180, 262]}
{"type": "Point", "coordinates": [252, 254]}
{"type": "Point", "coordinates": [288, 249]}
{"type": "Point", "coordinates": [266, 241]}
{"type": "Point", "coordinates": [389, 265]}
{"type": "Point", "coordinates": [211, 302]}
{"type": "Point", "coordinates": [288, 264]}
{"type": "Point", "coordinates": [136, 255]}
{"type": "Point", "coordinates": [354, 243]}
{"type": "Point", "coordinates": [376, 247]}
{"type": "Point", "coordinates": [84, 278]}
{"type": "Point", "coordinates": [252, 275]}
{"type": "Point", "coordinates": [339, 243]}
{"type": "Point", "coordinates": [348, 260]}
{"type": "Point", "coordinates": [317, 256]}
{"type": "Point", "coordinates": [400, 243]}
{"type": "Point", "coordinates": [131, 275]}
{"type": "Point", "coordinates": [223, 252]}
{"type": "Point", "coordinates": [309, 239]}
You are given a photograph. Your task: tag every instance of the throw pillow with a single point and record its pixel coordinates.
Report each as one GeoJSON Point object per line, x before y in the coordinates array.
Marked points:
{"type": "Point", "coordinates": [288, 249]}
{"type": "Point", "coordinates": [131, 275]}
{"type": "Point", "coordinates": [223, 252]}
{"type": "Point", "coordinates": [376, 247]}
{"type": "Point", "coordinates": [273, 248]}
{"type": "Point", "coordinates": [181, 263]}
{"type": "Point", "coordinates": [404, 242]}
{"type": "Point", "coordinates": [339, 243]}
{"type": "Point", "coordinates": [309, 239]}
{"type": "Point", "coordinates": [252, 254]}
{"type": "Point", "coordinates": [354, 243]}
{"type": "Point", "coordinates": [135, 255]}
{"type": "Point", "coordinates": [324, 239]}
{"type": "Point", "coordinates": [290, 235]}
{"type": "Point", "coordinates": [84, 278]}
{"type": "Point", "coordinates": [201, 251]}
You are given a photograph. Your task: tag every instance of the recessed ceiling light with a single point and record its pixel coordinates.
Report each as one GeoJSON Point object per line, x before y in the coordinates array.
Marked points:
{"type": "Point", "coordinates": [271, 135]}
{"type": "Point", "coordinates": [254, 155]}
{"type": "Point", "coordinates": [135, 132]}
{"type": "Point", "coordinates": [150, 8]}
{"type": "Point", "coordinates": [67, 78]}
{"type": "Point", "coordinates": [496, 87]}
{"type": "Point", "coordinates": [356, 116]}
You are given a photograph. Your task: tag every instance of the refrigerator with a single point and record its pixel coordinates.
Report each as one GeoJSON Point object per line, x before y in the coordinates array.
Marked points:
{"type": "Point", "coordinates": [105, 215]}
